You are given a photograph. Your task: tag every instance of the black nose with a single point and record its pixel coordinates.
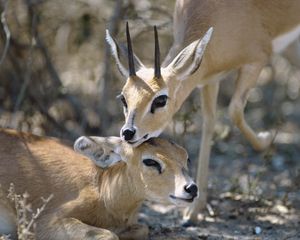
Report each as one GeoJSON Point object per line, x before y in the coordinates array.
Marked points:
{"type": "Point", "coordinates": [192, 189]}
{"type": "Point", "coordinates": [128, 134]}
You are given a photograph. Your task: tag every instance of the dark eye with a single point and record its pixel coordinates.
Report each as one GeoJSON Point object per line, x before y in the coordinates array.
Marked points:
{"type": "Point", "coordinates": [159, 102]}
{"type": "Point", "coordinates": [152, 163]}
{"type": "Point", "coordinates": [188, 162]}
{"type": "Point", "coordinates": [123, 100]}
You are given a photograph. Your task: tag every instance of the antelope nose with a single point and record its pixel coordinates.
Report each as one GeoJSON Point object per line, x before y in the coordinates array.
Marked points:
{"type": "Point", "coordinates": [192, 189]}
{"type": "Point", "coordinates": [128, 134]}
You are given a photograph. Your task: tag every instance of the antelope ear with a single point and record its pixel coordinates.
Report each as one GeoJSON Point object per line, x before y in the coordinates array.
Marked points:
{"type": "Point", "coordinates": [103, 151]}
{"type": "Point", "coordinates": [189, 59]}
{"type": "Point", "coordinates": [120, 55]}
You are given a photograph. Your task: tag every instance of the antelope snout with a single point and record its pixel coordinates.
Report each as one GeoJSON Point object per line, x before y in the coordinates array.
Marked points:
{"type": "Point", "coordinates": [128, 133]}
{"type": "Point", "coordinates": [191, 189]}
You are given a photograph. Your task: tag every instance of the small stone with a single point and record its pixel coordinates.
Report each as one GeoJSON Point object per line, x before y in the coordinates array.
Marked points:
{"type": "Point", "coordinates": [203, 236]}
{"type": "Point", "coordinates": [281, 209]}
{"type": "Point", "coordinates": [257, 230]}
{"type": "Point", "coordinates": [278, 163]}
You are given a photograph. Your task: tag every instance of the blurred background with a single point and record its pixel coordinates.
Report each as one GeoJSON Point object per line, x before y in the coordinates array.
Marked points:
{"type": "Point", "coordinates": [57, 78]}
{"type": "Point", "coordinates": [57, 75]}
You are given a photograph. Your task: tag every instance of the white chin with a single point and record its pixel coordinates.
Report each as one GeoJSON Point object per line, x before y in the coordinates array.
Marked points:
{"type": "Point", "coordinates": [137, 143]}
{"type": "Point", "coordinates": [180, 203]}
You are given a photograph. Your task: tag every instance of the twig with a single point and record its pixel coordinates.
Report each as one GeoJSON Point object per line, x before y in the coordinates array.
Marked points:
{"type": "Point", "coordinates": [25, 228]}
{"type": "Point", "coordinates": [27, 77]}
{"type": "Point", "coordinates": [6, 30]}
{"type": "Point", "coordinates": [38, 212]}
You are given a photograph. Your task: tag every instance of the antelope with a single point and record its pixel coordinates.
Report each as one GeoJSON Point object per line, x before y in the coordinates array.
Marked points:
{"type": "Point", "coordinates": [96, 196]}
{"type": "Point", "coordinates": [211, 39]}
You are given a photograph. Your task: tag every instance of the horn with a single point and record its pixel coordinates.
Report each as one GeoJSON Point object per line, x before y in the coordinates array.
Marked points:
{"type": "Point", "coordinates": [156, 56]}
{"type": "Point", "coordinates": [130, 53]}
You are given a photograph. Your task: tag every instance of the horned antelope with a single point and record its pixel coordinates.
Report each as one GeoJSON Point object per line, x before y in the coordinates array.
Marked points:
{"type": "Point", "coordinates": [239, 35]}
{"type": "Point", "coordinates": [97, 197]}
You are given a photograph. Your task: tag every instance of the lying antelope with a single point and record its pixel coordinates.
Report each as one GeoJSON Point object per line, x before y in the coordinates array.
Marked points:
{"type": "Point", "coordinates": [245, 33]}
{"type": "Point", "coordinates": [97, 199]}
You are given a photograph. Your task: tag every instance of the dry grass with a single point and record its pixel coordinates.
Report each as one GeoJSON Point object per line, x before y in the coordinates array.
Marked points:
{"type": "Point", "coordinates": [26, 216]}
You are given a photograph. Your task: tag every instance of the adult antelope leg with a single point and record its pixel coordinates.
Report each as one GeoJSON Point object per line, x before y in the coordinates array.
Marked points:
{"type": "Point", "coordinates": [209, 95]}
{"type": "Point", "coordinates": [246, 80]}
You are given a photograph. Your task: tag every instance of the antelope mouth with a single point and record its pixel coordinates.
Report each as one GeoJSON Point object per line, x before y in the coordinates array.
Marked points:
{"type": "Point", "coordinates": [141, 140]}
{"type": "Point", "coordinates": [189, 200]}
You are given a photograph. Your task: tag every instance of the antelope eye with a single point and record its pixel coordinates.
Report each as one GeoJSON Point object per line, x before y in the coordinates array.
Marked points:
{"type": "Point", "coordinates": [188, 162]}
{"type": "Point", "coordinates": [123, 100]}
{"type": "Point", "coordinates": [152, 163]}
{"type": "Point", "coordinates": [159, 102]}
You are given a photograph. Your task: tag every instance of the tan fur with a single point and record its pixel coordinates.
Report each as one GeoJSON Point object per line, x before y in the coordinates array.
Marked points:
{"type": "Point", "coordinates": [89, 202]}
{"type": "Point", "coordinates": [242, 40]}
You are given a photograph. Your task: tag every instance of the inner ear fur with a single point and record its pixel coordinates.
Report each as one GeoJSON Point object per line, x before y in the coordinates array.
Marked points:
{"type": "Point", "coordinates": [189, 59]}
{"type": "Point", "coordinates": [104, 152]}
{"type": "Point", "coordinates": [120, 53]}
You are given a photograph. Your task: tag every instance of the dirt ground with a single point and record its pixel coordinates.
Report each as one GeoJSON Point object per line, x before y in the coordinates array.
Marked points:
{"type": "Point", "coordinates": [252, 195]}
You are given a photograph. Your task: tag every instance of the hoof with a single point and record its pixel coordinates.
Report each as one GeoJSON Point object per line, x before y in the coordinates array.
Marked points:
{"type": "Point", "coordinates": [265, 140]}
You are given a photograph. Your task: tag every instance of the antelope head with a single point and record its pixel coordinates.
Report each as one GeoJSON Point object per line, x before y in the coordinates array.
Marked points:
{"type": "Point", "coordinates": [150, 95]}
{"type": "Point", "coordinates": [157, 168]}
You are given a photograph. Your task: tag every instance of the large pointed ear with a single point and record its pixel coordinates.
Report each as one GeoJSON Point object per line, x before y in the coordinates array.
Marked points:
{"type": "Point", "coordinates": [189, 59]}
{"type": "Point", "coordinates": [120, 54]}
{"type": "Point", "coordinates": [103, 151]}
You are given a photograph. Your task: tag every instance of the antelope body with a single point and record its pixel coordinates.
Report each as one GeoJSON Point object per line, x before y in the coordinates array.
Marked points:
{"type": "Point", "coordinates": [90, 202]}
{"type": "Point", "coordinates": [245, 34]}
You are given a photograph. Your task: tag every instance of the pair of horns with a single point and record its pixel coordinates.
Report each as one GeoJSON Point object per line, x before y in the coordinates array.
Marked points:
{"type": "Point", "coordinates": [157, 73]}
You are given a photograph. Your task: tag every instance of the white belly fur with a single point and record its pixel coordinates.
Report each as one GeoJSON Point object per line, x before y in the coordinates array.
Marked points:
{"type": "Point", "coordinates": [281, 42]}
{"type": "Point", "coordinates": [214, 78]}
{"type": "Point", "coordinates": [7, 222]}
